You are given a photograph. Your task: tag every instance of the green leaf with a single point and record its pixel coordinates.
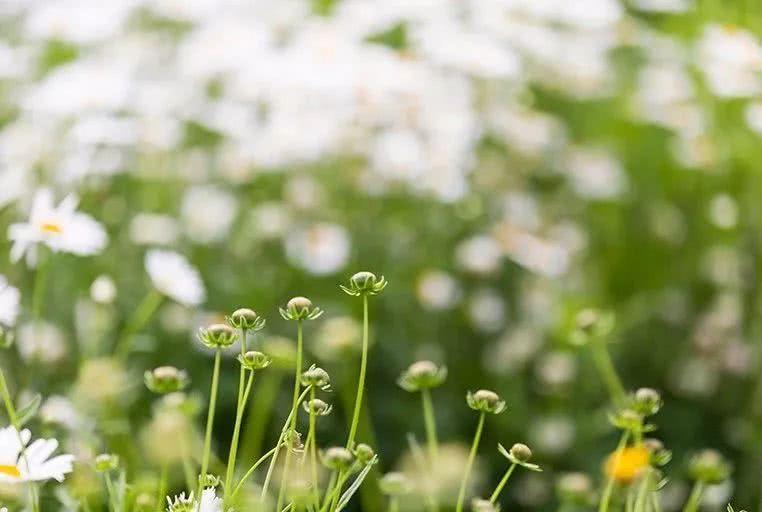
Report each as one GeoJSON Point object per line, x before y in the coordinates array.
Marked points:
{"type": "Point", "coordinates": [27, 412]}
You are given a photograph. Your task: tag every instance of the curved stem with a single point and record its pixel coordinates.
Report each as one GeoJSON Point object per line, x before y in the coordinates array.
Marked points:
{"type": "Point", "coordinates": [363, 371]}
{"type": "Point", "coordinates": [210, 419]}
{"type": "Point", "coordinates": [470, 463]}
{"type": "Point", "coordinates": [607, 371]}
{"type": "Point", "coordinates": [252, 469]}
{"type": "Point", "coordinates": [695, 498]}
{"type": "Point", "coordinates": [501, 485]}
{"type": "Point", "coordinates": [603, 506]}
{"type": "Point", "coordinates": [242, 400]}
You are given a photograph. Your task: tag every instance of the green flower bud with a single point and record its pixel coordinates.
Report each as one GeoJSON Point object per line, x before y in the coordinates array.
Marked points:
{"type": "Point", "coordinates": [317, 377]}
{"type": "Point", "coordinates": [245, 318]}
{"type": "Point", "coordinates": [317, 407]}
{"type": "Point", "coordinates": [166, 379]}
{"type": "Point", "coordinates": [485, 401]}
{"type": "Point", "coordinates": [482, 505]}
{"type": "Point", "coordinates": [659, 455]}
{"type": "Point", "coordinates": [394, 484]}
{"type": "Point", "coordinates": [209, 480]}
{"type": "Point", "coordinates": [254, 360]}
{"type": "Point", "coordinates": [300, 308]}
{"type": "Point", "coordinates": [710, 467]}
{"type": "Point", "coordinates": [217, 336]}
{"type": "Point", "coordinates": [364, 454]}
{"type": "Point", "coordinates": [337, 458]}
{"type": "Point", "coordinates": [521, 452]}
{"type": "Point", "coordinates": [646, 401]}
{"type": "Point", "coordinates": [364, 283]}
{"type": "Point", "coordinates": [422, 375]}
{"type": "Point", "coordinates": [106, 462]}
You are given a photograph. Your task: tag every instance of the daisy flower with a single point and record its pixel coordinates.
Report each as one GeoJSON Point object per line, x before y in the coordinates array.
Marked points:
{"type": "Point", "coordinates": [61, 228]}
{"type": "Point", "coordinates": [9, 303]}
{"type": "Point", "coordinates": [209, 502]}
{"type": "Point", "coordinates": [24, 462]}
{"type": "Point", "coordinates": [173, 275]}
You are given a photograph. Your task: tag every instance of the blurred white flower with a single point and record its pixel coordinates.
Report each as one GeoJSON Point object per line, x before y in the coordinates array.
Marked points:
{"type": "Point", "coordinates": [207, 213]}
{"type": "Point", "coordinates": [731, 59]}
{"type": "Point", "coordinates": [723, 211]}
{"type": "Point", "coordinates": [9, 303]}
{"type": "Point", "coordinates": [437, 290]}
{"type": "Point", "coordinates": [479, 254]}
{"type": "Point", "coordinates": [60, 227]}
{"type": "Point", "coordinates": [319, 249]}
{"type": "Point", "coordinates": [209, 502]}
{"type": "Point", "coordinates": [270, 220]}
{"type": "Point", "coordinates": [175, 277]}
{"type": "Point", "coordinates": [153, 229]}
{"type": "Point", "coordinates": [60, 410]}
{"type": "Point", "coordinates": [24, 462]}
{"type": "Point", "coordinates": [670, 6]}
{"type": "Point", "coordinates": [42, 342]}
{"type": "Point", "coordinates": [486, 309]}
{"type": "Point", "coordinates": [552, 434]}
{"type": "Point", "coordinates": [595, 174]}
{"type": "Point", "coordinates": [103, 290]}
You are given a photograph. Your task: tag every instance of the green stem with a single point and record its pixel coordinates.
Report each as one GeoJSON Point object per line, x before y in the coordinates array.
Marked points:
{"type": "Point", "coordinates": [641, 501]}
{"type": "Point", "coordinates": [210, 420]}
{"type": "Point", "coordinates": [607, 371]}
{"type": "Point", "coordinates": [242, 400]}
{"type": "Point", "coordinates": [470, 463]}
{"type": "Point", "coordinates": [137, 321]}
{"type": "Point", "coordinates": [695, 498]}
{"type": "Point", "coordinates": [162, 489]}
{"type": "Point", "coordinates": [363, 370]}
{"type": "Point", "coordinates": [501, 485]}
{"type": "Point", "coordinates": [394, 504]}
{"type": "Point", "coordinates": [603, 506]}
{"type": "Point", "coordinates": [284, 479]}
{"type": "Point", "coordinates": [297, 373]}
{"type": "Point", "coordinates": [252, 469]}
{"type": "Point", "coordinates": [431, 439]}
{"type": "Point", "coordinates": [312, 442]}
{"type": "Point", "coordinates": [40, 284]}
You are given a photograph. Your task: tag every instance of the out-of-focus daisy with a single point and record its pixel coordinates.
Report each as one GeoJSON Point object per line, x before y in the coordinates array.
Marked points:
{"type": "Point", "coordinates": [61, 228]}
{"type": "Point", "coordinates": [42, 342]}
{"type": "Point", "coordinates": [103, 290]}
{"type": "Point", "coordinates": [320, 249]}
{"type": "Point", "coordinates": [209, 502]}
{"type": "Point", "coordinates": [9, 303]}
{"type": "Point", "coordinates": [198, 202]}
{"type": "Point", "coordinates": [173, 275]}
{"type": "Point", "coordinates": [24, 462]}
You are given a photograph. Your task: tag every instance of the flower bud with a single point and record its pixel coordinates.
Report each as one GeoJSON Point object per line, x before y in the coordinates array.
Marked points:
{"type": "Point", "coordinates": [166, 379]}
{"type": "Point", "coordinates": [364, 453]}
{"type": "Point", "coordinates": [627, 419]}
{"type": "Point", "coordinates": [317, 407]}
{"type": "Point", "coordinates": [337, 458]}
{"type": "Point", "coordinates": [521, 452]}
{"type": "Point", "coordinates": [247, 319]}
{"type": "Point", "coordinates": [300, 308]}
{"type": "Point", "coordinates": [317, 377]}
{"type": "Point", "coordinates": [709, 466]}
{"type": "Point", "coordinates": [394, 484]}
{"type": "Point", "coordinates": [364, 283]}
{"type": "Point", "coordinates": [254, 360]}
{"type": "Point", "coordinates": [646, 401]}
{"type": "Point", "coordinates": [660, 456]}
{"type": "Point", "coordinates": [482, 505]}
{"type": "Point", "coordinates": [574, 488]}
{"type": "Point", "coordinates": [209, 480]}
{"type": "Point", "coordinates": [106, 462]}
{"type": "Point", "coordinates": [422, 375]}
{"type": "Point", "coordinates": [485, 401]}
{"type": "Point", "coordinates": [217, 336]}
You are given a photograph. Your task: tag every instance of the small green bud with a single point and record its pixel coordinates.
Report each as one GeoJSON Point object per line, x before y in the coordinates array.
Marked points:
{"type": "Point", "coordinates": [485, 401]}
{"type": "Point", "coordinates": [106, 462]}
{"type": "Point", "coordinates": [646, 401]}
{"type": "Point", "coordinates": [209, 480]}
{"type": "Point", "coordinates": [166, 379]}
{"type": "Point", "coordinates": [337, 458]}
{"type": "Point", "coordinates": [300, 308]}
{"type": "Point", "coordinates": [521, 452]}
{"type": "Point", "coordinates": [710, 467]}
{"type": "Point", "coordinates": [364, 283]}
{"type": "Point", "coordinates": [422, 375]}
{"type": "Point", "coordinates": [394, 484]}
{"type": "Point", "coordinates": [217, 336]}
{"type": "Point", "coordinates": [247, 319]}
{"type": "Point", "coordinates": [317, 407]}
{"type": "Point", "coordinates": [317, 377]}
{"type": "Point", "coordinates": [660, 456]}
{"type": "Point", "coordinates": [482, 505]}
{"type": "Point", "coordinates": [254, 360]}
{"type": "Point", "coordinates": [364, 454]}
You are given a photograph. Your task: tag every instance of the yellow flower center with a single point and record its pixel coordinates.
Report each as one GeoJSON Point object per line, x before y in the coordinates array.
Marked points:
{"type": "Point", "coordinates": [51, 227]}
{"type": "Point", "coordinates": [627, 465]}
{"type": "Point", "coordinates": [10, 471]}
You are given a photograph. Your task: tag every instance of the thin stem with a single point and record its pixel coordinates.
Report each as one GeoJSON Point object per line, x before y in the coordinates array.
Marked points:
{"type": "Point", "coordinates": [641, 501]}
{"type": "Point", "coordinates": [311, 441]}
{"type": "Point", "coordinates": [297, 373]}
{"type": "Point", "coordinates": [470, 463]}
{"type": "Point", "coordinates": [607, 371]}
{"type": "Point", "coordinates": [432, 441]}
{"type": "Point", "coordinates": [361, 379]}
{"type": "Point", "coordinates": [603, 506]}
{"type": "Point", "coordinates": [111, 493]}
{"type": "Point", "coordinates": [501, 485]}
{"type": "Point", "coordinates": [243, 399]}
{"type": "Point", "coordinates": [394, 504]}
{"type": "Point", "coordinates": [162, 489]}
{"type": "Point", "coordinates": [40, 284]}
{"type": "Point", "coordinates": [139, 319]}
{"type": "Point", "coordinates": [284, 479]}
{"type": "Point", "coordinates": [695, 498]}
{"type": "Point", "coordinates": [252, 469]}
{"type": "Point", "coordinates": [210, 420]}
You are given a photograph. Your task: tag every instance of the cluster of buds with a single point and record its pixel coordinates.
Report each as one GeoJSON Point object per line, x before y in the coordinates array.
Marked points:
{"type": "Point", "coordinates": [485, 401]}
{"type": "Point", "coordinates": [519, 454]}
{"type": "Point", "coordinates": [254, 360]}
{"type": "Point", "coordinates": [166, 379]}
{"type": "Point", "coordinates": [246, 319]}
{"type": "Point", "coordinates": [316, 377]}
{"type": "Point", "coordinates": [106, 462]}
{"type": "Point", "coordinates": [591, 325]}
{"type": "Point", "coordinates": [217, 336]}
{"type": "Point", "coordinates": [337, 458]}
{"type": "Point", "coordinates": [422, 375]}
{"type": "Point", "coordinates": [317, 407]}
{"type": "Point", "coordinates": [395, 484]}
{"type": "Point", "coordinates": [709, 467]}
{"type": "Point", "coordinates": [364, 283]}
{"type": "Point", "coordinates": [300, 308]}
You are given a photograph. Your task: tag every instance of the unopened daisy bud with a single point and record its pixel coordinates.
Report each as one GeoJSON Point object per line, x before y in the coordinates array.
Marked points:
{"type": "Point", "coordinates": [646, 401]}
{"type": "Point", "coordinates": [482, 505]}
{"type": "Point", "coordinates": [394, 484]}
{"type": "Point", "coordinates": [337, 458]}
{"type": "Point", "coordinates": [422, 375]}
{"type": "Point", "coordinates": [317, 377]}
{"type": "Point", "coordinates": [574, 488]}
{"type": "Point", "coordinates": [364, 283]}
{"type": "Point", "coordinates": [217, 336]}
{"type": "Point", "coordinates": [364, 453]}
{"type": "Point", "coordinates": [485, 401]}
{"type": "Point", "coordinates": [519, 454]}
{"type": "Point", "coordinates": [106, 462]}
{"type": "Point", "coordinates": [592, 324]}
{"type": "Point", "coordinates": [317, 407]}
{"type": "Point", "coordinates": [660, 456]}
{"type": "Point", "coordinates": [709, 467]}
{"type": "Point", "coordinates": [254, 360]}
{"type": "Point", "coordinates": [6, 338]}
{"type": "Point", "coordinates": [245, 318]}
{"type": "Point", "coordinates": [166, 379]}
{"type": "Point", "coordinates": [300, 308]}
{"type": "Point", "coordinates": [209, 480]}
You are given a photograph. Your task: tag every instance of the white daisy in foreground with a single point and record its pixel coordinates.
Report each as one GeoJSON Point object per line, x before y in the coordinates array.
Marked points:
{"type": "Point", "coordinates": [209, 502]}
{"type": "Point", "coordinates": [173, 275]}
{"type": "Point", "coordinates": [61, 228]}
{"type": "Point", "coordinates": [24, 462]}
{"type": "Point", "coordinates": [9, 303]}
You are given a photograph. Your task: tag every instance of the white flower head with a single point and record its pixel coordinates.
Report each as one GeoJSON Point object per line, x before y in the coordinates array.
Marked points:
{"type": "Point", "coordinates": [209, 502]}
{"type": "Point", "coordinates": [175, 277]}
{"type": "Point", "coordinates": [9, 303]}
{"type": "Point", "coordinates": [61, 228]}
{"type": "Point", "coordinates": [24, 462]}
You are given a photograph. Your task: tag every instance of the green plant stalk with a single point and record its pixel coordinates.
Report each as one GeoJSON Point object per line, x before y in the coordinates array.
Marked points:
{"type": "Point", "coordinates": [333, 498]}
{"type": "Point", "coordinates": [111, 493]}
{"type": "Point", "coordinates": [603, 506]}
{"type": "Point", "coordinates": [236, 433]}
{"type": "Point", "coordinates": [284, 479]}
{"type": "Point", "coordinates": [470, 463]}
{"type": "Point", "coordinates": [607, 371]}
{"type": "Point", "coordinates": [695, 498]}
{"type": "Point", "coordinates": [312, 442]}
{"type": "Point", "coordinates": [260, 410]}
{"type": "Point", "coordinates": [162, 489]}
{"type": "Point", "coordinates": [642, 499]}
{"type": "Point", "coordinates": [210, 419]}
{"type": "Point", "coordinates": [137, 321]}
{"type": "Point", "coordinates": [361, 379]}
{"type": "Point", "coordinates": [394, 504]}
{"type": "Point", "coordinates": [432, 441]}
{"type": "Point", "coordinates": [251, 471]}
{"type": "Point", "coordinates": [501, 485]}
{"type": "Point", "coordinates": [294, 407]}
